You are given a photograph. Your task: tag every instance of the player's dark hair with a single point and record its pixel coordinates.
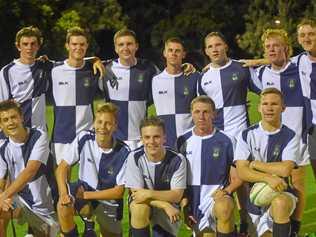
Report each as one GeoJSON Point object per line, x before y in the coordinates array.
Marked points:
{"type": "Point", "coordinates": [275, 91]}
{"type": "Point", "coordinates": [124, 32]}
{"type": "Point", "coordinates": [217, 34]}
{"type": "Point", "coordinates": [152, 121]}
{"type": "Point", "coordinates": [10, 104]}
{"type": "Point", "coordinates": [108, 108]}
{"type": "Point", "coordinates": [203, 99]}
{"type": "Point", "coordinates": [29, 31]}
{"type": "Point", "coordinates": [174, 40]}
{"type": "Point", "coordinates": [76, 31]}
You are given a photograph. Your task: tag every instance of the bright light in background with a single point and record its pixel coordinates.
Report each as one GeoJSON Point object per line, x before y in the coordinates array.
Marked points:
{"type": "Point", "coordinates": [277, 22]}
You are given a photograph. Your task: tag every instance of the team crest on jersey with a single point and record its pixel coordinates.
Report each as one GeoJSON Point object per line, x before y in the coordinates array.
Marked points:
{"type": "Point", "coordinates": [276, 150]}
{"type": "Point", "coordinates": [216, 152]}
{"type": "Point", "coordinates": [140, 78]}
{"type": "Point", "coordinates": [110, 171]}
{"type": "Point", "coordinates": [235, 77]}
{"type": "Point", "coordinates": [186, 91]}
{"type": "Point", "coordinates": [86, 82]}
{"type": "Point", "coordinates": [166, 180]}
{"type": "Point", "coordinates": [291, 83]}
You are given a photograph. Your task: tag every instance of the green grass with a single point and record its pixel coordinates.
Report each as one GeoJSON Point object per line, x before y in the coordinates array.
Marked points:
{"type": "Point", "coordinates": [309, 220]}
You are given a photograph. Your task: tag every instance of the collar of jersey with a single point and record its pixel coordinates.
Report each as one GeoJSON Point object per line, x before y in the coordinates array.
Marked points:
{"type": "Point", "coordinates": [16, 144]}
{"type": "Point", "coordinates": [281, 70]}
{"type": "Point", "coordinates": [74, 68]}
{"type": "Point", "coordinates": [222, 67]}
{"type": "Point", "coordinates": [267, 132]}
{"type": "Point", "coordinates": [205, 137]}
{"type": "Point", "coordinates": [123, 66]}
{"type": "Point", "coordinates": [18, 63]}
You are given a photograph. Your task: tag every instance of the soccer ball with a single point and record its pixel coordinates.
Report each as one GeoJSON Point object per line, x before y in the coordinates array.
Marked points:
{"type": "Point", "coordinates": [262, 194]}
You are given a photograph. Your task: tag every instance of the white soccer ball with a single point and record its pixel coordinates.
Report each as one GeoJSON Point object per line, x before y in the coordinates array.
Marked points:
{"type": "Point", "coordinates": [262, 194]}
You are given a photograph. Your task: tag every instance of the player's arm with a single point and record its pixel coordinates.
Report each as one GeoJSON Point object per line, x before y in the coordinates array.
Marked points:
{"type": "Point", "coordinates": [235, 181]}
{"type": "Point", "coordinates": [98, 66]}
{"type": "Point", "coordinates": [172, 212]}
{"type": "Point", "coordinates": [116, 192]}
{"type": "Point", "coordinates": [143, 195]}
{"type": "Point", "coordinates": [254, 62]}
{"type": "Point", "coordinates": [282, 169]}
{"type": "Point", "coordinates": [23, 178]}
{"type": "Point", "coordinates": [62, 173]}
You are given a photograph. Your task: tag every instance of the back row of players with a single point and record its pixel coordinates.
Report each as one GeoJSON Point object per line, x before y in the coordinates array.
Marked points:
{"type": "Point", "coordinates": [131, 84]}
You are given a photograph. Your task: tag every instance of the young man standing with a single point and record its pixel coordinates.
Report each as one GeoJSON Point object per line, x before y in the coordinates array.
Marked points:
{"type": "Point", "coordinates": [26, 164]}
{"type": "Point", "coordinates": [267, 152]}
{"type": "Point", "coordinates": [73, 89]}
{"type": "Point", "coordinates": [127, 84]}
{"type": "Point", "coordinates": [173, 92]}
{"type": "Point", "coordinates": [211, 177]}
{"type": "Point", "coordinates": [284, 75]}
{"type": "Point", "coordinates": [156, 176]}
{"type": "Point", "coordinates": [101, 160]}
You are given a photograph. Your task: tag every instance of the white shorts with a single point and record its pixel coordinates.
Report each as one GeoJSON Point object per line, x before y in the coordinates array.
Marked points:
{"type": "Point", "coordinates": [47, 224]}
{"type": "Point", "coordinates": [159, 217]}
{"type": "Point", "coordinates": [264, 222]}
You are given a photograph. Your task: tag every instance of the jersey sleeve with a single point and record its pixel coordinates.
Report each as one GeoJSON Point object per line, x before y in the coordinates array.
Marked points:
{"type": "Point", "coordinates": [40, 151]}
{"type": "Point", "coordinates": [199, 87]}
{"type": "Point", "coordinates": [4, 90]}
{"type": "Point", "coordinates": [255, 85]}
{"type": "Point", "coordinates": [133, 175]}
{"type": "Point", "coordinates": [121, 175]}
{"type": "Point", "coordinates": [72, 156]}
{"type": "Point", "coordinates": [179, 178]}
{"type": "Point", "coordinates": [242, 151]}
{"type": "Point", "coordinates": [3, 167]}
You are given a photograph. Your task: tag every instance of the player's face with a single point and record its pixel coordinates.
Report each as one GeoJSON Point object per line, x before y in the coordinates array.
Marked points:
{"type": "Point", "coordinates": [174, 53]}
{"type": "Point", "coordinates": [105, 125]}
{"type": "Point", "coordinates": [306, 36]}
{"type": "Point", "coordinates": [203, 115]}
{"type": "Point", "coordinates": [270, 108]}
{"type": "Point", "coordinates": [275, 50]}
{"type": "Point", "coordinates": [77, 47]}
{"type": "Point", "coordinates": [126, 47]}
{"type": "Point", "coordinates": [28, 48]}
{"type": "Point", "coordinates": [153, 138]}
{"type": "Point", "coordinates": [216, 49]}
{"type": "Point", "coordinates": [11, 123]}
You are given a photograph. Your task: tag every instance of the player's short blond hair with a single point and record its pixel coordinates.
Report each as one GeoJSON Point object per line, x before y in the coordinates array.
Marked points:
{"type": "Point", "coordinates": [10, 104]}
{"type": "Point", "coordinates": [203, 99]}
{"type": "Point", "coordinates": [282, 34]}
{"type": "Point", "coordinates": [215, 34]}
{"type": "Point", "coordinates": [152, 121]}
{"type": "Point", "coordinates": [107, 108]}
{"type": "Point", "coordinates": [124, 32]}
{"type": "Point", "coordinates": [29, 31]}
{"type": "Point", "coordinates": [272, 90]}
{"type": "Point", "coordinates": [306, 21]}
{"type": "Point", "coordinates": [76, 31]}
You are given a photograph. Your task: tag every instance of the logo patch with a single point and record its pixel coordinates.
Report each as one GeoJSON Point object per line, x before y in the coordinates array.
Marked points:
{"type": "Point", "coordinates": [86, 82]}
{"type": "Point", "coordinates": [291, 83]}
{"type": "Point", "coordinates": [235, 77]}
{"type": "Point", "coordinates": [216, 152]}
{"type": "Point", "coordinates": [140, 78]}
{"type": "Point", "coordinates": [186, 91]}
{"type": "Point", "coordinates": [276, 150]}
{"type": "Point", "coordinates": [110, 171]}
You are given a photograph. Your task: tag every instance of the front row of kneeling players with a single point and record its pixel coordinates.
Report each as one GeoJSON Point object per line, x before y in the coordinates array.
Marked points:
{"type": "Point", "coordinates": [159, 178]}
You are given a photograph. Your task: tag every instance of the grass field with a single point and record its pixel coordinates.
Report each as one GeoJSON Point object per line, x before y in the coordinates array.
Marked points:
{"type": "Point", "coordinates": [309, 219]}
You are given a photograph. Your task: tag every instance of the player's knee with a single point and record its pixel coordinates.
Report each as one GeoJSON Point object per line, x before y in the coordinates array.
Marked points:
{"type": "Point", "coordinates": [224, 209]}
{"type": "Point", "coordinates": [281, 206]}
{"type": "Point", "coordinates": [139, 215]}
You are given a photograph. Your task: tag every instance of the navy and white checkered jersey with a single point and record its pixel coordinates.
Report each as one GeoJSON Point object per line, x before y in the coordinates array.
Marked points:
{"type": "Point", "coordinates": [98, 168]}
{"type": "Point", "coordinates": [307, 70]}
{"type": "Point", "coordinates": [38, 192]}
{"type": "Point", "coordinates": [168, 174]}
{"type": "Point", "coordinates": [228, 86]}
{"type": "Point", "coordinates": [255, 143]}
{"type": "Point", "coordinates": [130, 91]}
{"type": "Point", "coordinates": [209, 161]}
{"type": "Point", "coordinates": [172, 96]}
{"type": "Point", "coordinates": [27, 85]}
{"type": "Point", "coordinates": [287, 80]}
{"type": "Point", "coordinates": [73, 91]}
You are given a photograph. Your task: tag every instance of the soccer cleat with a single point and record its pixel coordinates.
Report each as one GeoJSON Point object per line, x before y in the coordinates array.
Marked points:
{"type": "Point", "coordinates": [89, 229]}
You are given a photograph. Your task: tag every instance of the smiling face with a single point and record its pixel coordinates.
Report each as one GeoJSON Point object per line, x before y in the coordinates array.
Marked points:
{"type": "Point", "coordinates": [126, 48]}
{"type": "Point", "coordinates": [11, 123]}
{"type": "Point", "coordinates": [105, 125]}
{"type": "Point", "coordinates": [216, 49]}
{"type": "Point", "coordinates": [77, 47]}
{"type": "Point", "coordinates": [306, 36]}
{"type": "Point", "coordinates": [28, 47]}
{"type": "Point", "coordinates": [153, 138]}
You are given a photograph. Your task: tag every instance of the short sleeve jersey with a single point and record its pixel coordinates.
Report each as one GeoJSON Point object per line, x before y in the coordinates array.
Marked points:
{"type": "Point", "coordinates": [168, 174]}
{"type": "Point", "coordinates": [14, 158]}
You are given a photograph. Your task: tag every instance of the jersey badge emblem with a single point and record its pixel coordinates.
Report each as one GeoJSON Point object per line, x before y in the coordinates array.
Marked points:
{"type": "Point", "coordinates": [140, 78]}
{"type": "Point", "coordinates": [291, 83]}
{"type": "Point", "coordinates": [86, 82]}
{"type": "Point", "coordinates": [276, 150]}
{"type": "Point", "coordinates": [235, 77]}
{"type": "Point", "coordinates": [216, 152]}
{"type": "Point", "coordinates": [186, 91]}
{"type": "Point", "coordinates": [110, 171]}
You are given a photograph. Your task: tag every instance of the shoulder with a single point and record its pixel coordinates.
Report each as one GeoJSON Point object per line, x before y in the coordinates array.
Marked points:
{"type": "Point", "coordinates": [244, 134]}
{"type": "Point", "coordinates": [146, 65]}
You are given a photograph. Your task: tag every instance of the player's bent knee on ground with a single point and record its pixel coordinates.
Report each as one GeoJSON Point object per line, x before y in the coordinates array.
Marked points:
{"type": "Point", "coordinates": [281, 208]}
{"type": "Point", "coordinates": [139, 215]}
